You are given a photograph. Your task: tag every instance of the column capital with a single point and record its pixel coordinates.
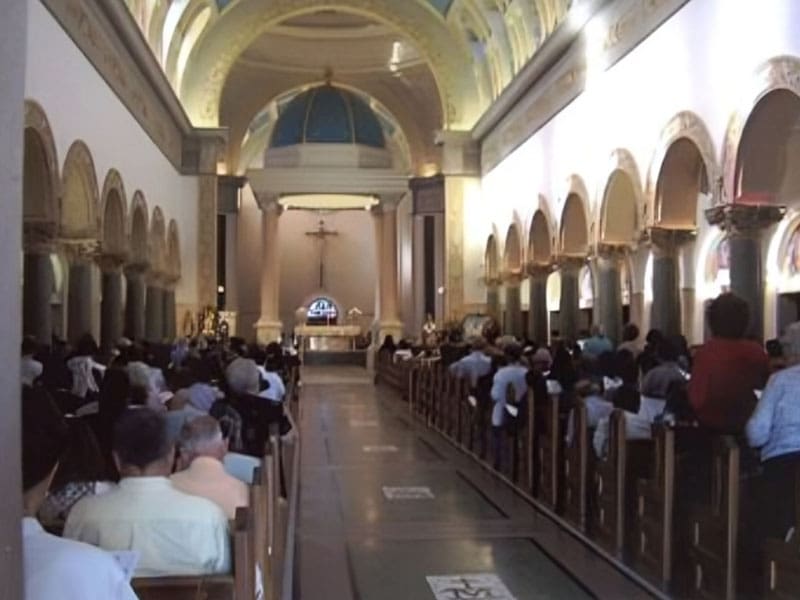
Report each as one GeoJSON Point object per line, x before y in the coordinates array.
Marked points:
{"type": "Point", "coordinates": [389, 202]}
{"type": "Point", "coordinates": [570, 262]}
{"type": "Point", "coordinates": [512, 276]}
{"type": "Point", "coordinates": [268, 202]}
{"type": "Point", "coordinates": [80, 251]}
{"type": "Point", "coordinates": [665, 240]}
{"type": "Point", "coordinates": [110, 262]}
{"type": "Point", "coordinates": [738, 218]}
{"type": "Point", "coordinates": [38, 238]}
{"type": "Point", "coordinates": [615, 252]}
{"type": "Point", "coordinates": [136, 269]}
{"type": "Point", "coordinates": [539, 269]}
{"type": "Point", "coordinates": [492, 281]}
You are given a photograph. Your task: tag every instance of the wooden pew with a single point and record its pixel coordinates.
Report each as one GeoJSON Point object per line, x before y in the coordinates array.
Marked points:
{"type": "Point", "coordinates": [653, 518]}
{"type": "Point", "coordinates": [713, 529]}
{"type": "Point", "coordinates": [550, 448]}
{"type": "Point", "coordinates": [782, 559]}
{"type": "Point", "coordinates": [576, 469]}
{"type": "Point", "coordinates": [240, 585]}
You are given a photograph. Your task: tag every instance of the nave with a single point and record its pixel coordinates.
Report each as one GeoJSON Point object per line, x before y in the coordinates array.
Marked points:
{"type": "Point", "coordinates": [456, 520]}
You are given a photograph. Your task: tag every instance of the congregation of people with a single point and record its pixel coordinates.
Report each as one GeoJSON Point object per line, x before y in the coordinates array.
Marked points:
{"type": "Point", "coordinates": [729, 385]}
{"type": "Point", "coordinates": [139, 457]}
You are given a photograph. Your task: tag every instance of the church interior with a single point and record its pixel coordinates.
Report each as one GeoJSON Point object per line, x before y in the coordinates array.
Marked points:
{"type": "Point", "coordinates": [520, 280]}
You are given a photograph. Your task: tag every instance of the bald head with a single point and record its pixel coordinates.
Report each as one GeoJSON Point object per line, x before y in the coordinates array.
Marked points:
{"type": "Point", "coordinates": [202, 437]}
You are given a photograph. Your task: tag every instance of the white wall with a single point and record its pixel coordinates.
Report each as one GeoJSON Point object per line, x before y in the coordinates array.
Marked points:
{"type": "Point", "coordinates": [80, 105]}
{"type": "Point", "coordinates": [703, 60]}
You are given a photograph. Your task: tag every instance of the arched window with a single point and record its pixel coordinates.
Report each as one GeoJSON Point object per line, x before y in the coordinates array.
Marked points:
{"type": "Point", "coordinates": [322, 311]}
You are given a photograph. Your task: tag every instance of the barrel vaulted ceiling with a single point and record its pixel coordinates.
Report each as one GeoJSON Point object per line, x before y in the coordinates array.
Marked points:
{"type": "Point", "coordinates": [425, 65]}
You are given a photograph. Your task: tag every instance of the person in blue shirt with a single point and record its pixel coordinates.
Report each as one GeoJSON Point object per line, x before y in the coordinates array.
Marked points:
{"type": "Point", "coordinates": [514, 373]}
{"type": "Point", "coordinates": [597, 344]}
{"type": "Point", "coordinates": [474, 365]}
{"type": "Point", "coordinates": [774, 428]}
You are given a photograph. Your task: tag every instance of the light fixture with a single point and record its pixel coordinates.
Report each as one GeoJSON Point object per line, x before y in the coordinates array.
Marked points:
{"type": "Point", "coordinates": [220, 289]}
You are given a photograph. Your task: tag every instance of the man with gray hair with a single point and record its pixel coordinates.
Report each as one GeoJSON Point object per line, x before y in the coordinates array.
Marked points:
{"type": "Point", "coordinates": [202, 450]}
{"type": "Point", "coordinates": [243, 377]}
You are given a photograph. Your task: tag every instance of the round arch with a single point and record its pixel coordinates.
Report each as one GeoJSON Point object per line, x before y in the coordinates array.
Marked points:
{"type": "Point", "coordinates": [574, 230]}
{"type": "Point", "coordinates": [41, 181]}
{"type": "Point", "coordinates": [138, 229]}
{"type": "Point", "coordinates": [779, 73]}
{"type": "Point", "coordinates": [157, 246]}
{"type": "Point", "coordinates": [512, 250]}
{"type": "Point", "coordinates": [80, 199]}
{"type": "Point", "coordinates": [620, 201]}
{"type": "Point", "coordinates": [237, 27]}
{"type": "Point", "coordinates": [113, 215]}
{"type": "Point", "coordinates": [173, 250]}
{"type": "Point", "coordinates": [540, 248]}
{"type": "Point", "coordinates": [685, 148]}
{"type": "Point", "coordinates": [491, 259]}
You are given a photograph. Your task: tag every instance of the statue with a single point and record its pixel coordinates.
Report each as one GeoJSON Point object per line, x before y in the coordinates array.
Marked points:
{"type": "Point", "coordinates": [430, 336]}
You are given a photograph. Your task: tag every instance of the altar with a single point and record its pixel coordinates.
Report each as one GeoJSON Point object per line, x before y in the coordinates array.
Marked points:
{"type": "Point", "coordinates": [327, 338]}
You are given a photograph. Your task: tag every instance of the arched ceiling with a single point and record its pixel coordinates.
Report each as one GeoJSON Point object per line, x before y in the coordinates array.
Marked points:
{"type": "Point", "coordinates": [434, 64]}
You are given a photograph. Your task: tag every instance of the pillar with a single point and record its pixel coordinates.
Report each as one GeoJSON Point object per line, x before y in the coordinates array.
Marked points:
{"type": "Point", "coordinates": [111, 313]}
{"type": "Point", "coordinates": [37, 289]}
{"type": "Point", "coordinates": [493, 298]}
{"type": "Point", "coordinates": [170, 331]}
{"type": "Point", "coordinates": [134, 301]}
{"type": "Point", "coordinates": [744, 224]}
{"type": "Point", "coordinates": [389, 316]}
{"type": "Point", "coordinates": [79, 291]}
{"type": "Point", "coordinates": [609, 291]}
{"type": "Point", "coordinates": [269, 326]}
{"type": "Point", "coordinates": [154, 310]}
{"type": "Point", "coordinates": [665, 312]}
{"type": "Point", "coordinates": [514, 306]}
{"type": "Point", "coordinates": [569, 309]}
{"type": "Point", "coordinates": [538, 330]}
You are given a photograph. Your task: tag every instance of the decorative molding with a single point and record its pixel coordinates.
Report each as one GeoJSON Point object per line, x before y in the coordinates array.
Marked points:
{"type": "Point", "coordinates": [111, 41]}
{"type": "Point", "coordinates": [561, 81]}
{"type": "Point", "coordinates": [428, 194]}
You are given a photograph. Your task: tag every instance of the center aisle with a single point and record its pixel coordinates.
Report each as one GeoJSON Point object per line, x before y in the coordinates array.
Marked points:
{"type": "Point", "coordinates": [390, 511]}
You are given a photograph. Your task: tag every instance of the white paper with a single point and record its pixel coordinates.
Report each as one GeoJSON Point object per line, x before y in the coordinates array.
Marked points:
{"type": "Point", "coordinates": [380, 449]}
{"type": "Point", "coordinates": [128, 560]}
{"type": "Point", "coordinates": [512, 410]}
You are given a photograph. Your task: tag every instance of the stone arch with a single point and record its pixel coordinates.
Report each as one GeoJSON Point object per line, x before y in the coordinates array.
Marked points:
{"type": "Point", "coordinates": [574, 230]}
{"type": "Point", "coordinates": [114, 215]}
{"type": "Point", "coordinates": [512, 250]}
{"type": "Point", "coordinates": [491, 259]}
{"type": "Point", "coordinates": [621, 201]}
{"type": "Point", "coordinates": [41, 181]}
{"type": "Point", "coordinates": [138, 229]}
{"type": "Point", "coordinates": [540, 247]}
{"type": "Point", "coordinates": [682, 167]}
{"type": "Point", "coordinates": [779, 74]}
{"type": "Point", "coordinates": [80, 198]}
{"type": "Point", "coordinates": [173, 250]}
{"type": "Point", "coordinates": [157, 245]}
{"type": "Point", "coordinates": [240, 24]}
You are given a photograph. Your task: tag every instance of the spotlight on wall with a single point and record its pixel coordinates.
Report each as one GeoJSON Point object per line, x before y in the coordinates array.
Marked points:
{"type": "Point", "coordinates": [220, 289]}
{"type": "Point", "coordinates": [441, 291]}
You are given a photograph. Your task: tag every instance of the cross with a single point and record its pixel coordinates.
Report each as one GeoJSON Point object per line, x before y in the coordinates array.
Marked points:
{"type": "Point", "coordinates": [321, 234]}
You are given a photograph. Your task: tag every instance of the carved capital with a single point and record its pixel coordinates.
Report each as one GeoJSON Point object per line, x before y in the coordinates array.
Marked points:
{"type": "Point", "coordinates": [110, 262]}
{"type": "Point", "coordinates": [744, 219]}
{"type": "Point", "coordinates": [269, 203]}
{"type": "Point", "coordinates": [570, 263]}
{"type": "Point", "coordinates": [39, 238]}
{"type": "Point", "coordinates": [137, 269]}
{"type": "Point", "coordinates": [537, 270]}
{"type": "Point", "coordinates": [512, 277]}
{"type": "Point", "coordinates": [667, 241]}
{"type": "Point", "coordinates": [80, 251]}
{"type": "Point", "coordinates": [612, 252]}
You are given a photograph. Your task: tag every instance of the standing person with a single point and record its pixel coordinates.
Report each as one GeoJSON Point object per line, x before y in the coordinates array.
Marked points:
{"type": "Point", "coordinates": [630, 340]}
{"type": "Point", "coordinates": [513, 373]}
{"type": "Point", "coordinates": [727, 369]}
{"type": "Point", "coordinates": [774, 428]}
{"type": "Point", "coordinates": [596, 344]}
{"type": "Point", "coordinates": [474, 365]}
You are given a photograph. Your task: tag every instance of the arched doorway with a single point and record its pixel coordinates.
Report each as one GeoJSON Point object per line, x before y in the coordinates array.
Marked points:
{"type": "Point", "coordinates": [540, 253]}
{"type": "Point", "coordinates": [137, 266]}
{"type": "Point", "coordinates": [113, 255]}
{"type": "Point", "coordinates": [492, 277]}
{"type": "Point", "coordinates": [512, 275]}
{"type": "Point", "coordinates": [154, 296]}
{"type": "Point", "coordinates": [574, 235]}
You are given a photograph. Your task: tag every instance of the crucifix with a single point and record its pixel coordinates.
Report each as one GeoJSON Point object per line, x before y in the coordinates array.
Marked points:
{"type": "Point", "coordinates": [321, 234]}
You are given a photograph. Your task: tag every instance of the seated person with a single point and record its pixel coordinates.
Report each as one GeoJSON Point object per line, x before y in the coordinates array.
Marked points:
{"type": "Point", "coordinates": [727, 369]}
{"type": "Point", "coordinates": [655, 384]}
{"type": "Point", "coordinates": [275, 390]}
{"type": "Point", "coordinates": [474, 365]}
{"type": "Point", "coordinates": [180, 412]}
{"type": "Point", "coordinates": [515, 374]}
{"type": "Point", "coordinates": [55, 567]}
{"type": "Point", "coordinates": [174, 533]}
{"type": "Point", "coordinates": [202, 450]}
{"type": "Point", "coordinates": [774, 428]}
{"type": "Point", "coordinates": [596, 407]}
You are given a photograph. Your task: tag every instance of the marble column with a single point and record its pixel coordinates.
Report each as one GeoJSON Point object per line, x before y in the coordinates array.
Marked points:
{"type": "Point", "coordinates": [79, 290]}
{"type": "Point", "coordinates": [569, 308]}
{"type": "Point", "coordinates": [537, 307]}
{"type": "Point", "coordinates": [493, 298]}
{"type": "Point", "coordinates": [154, 310]}
{"type": "Point", "coordinates": [744, 224]}
{"type": "Point", "coordinates": [665, 312]}
{"type": "Point", "coordinates": [609, 291]}
{"type": "Point", "coordinates": [111, 312]}
{"type": "Point", "coordinates": [269, 326]}
{"type": "Point", "coordinates": [514, 324]}
{"type": "Point", "coordinates": [390, 323]}
{"type": "Point", "coordinates": [134, 301]}
{"type": "Point", "coordinates": [37, 289]}
{"type": "Point", "coordinates": [169, 311]}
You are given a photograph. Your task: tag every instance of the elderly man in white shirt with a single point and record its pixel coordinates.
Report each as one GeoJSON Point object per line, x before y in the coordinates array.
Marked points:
{"type": "Point", "coordinates": [474, 365]}
{"type": "Point", "coordinates": [174, 533]}
{"type": "Point", "coordinates": [275, 390]}
{"type": "Point", "coordinates": [56, 567]}
{"type": "Point", "coordinates": [514, 373]}
{"type": "Point", "coordinates": [202, 450]}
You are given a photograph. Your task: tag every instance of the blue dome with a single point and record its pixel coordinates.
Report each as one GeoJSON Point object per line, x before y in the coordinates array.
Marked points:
{"type": "Point", "coordinates": [327, 115]}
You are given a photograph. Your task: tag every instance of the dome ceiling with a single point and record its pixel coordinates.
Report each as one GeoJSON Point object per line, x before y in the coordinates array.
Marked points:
{"type": "Point", "coordinates": [433, 64]}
